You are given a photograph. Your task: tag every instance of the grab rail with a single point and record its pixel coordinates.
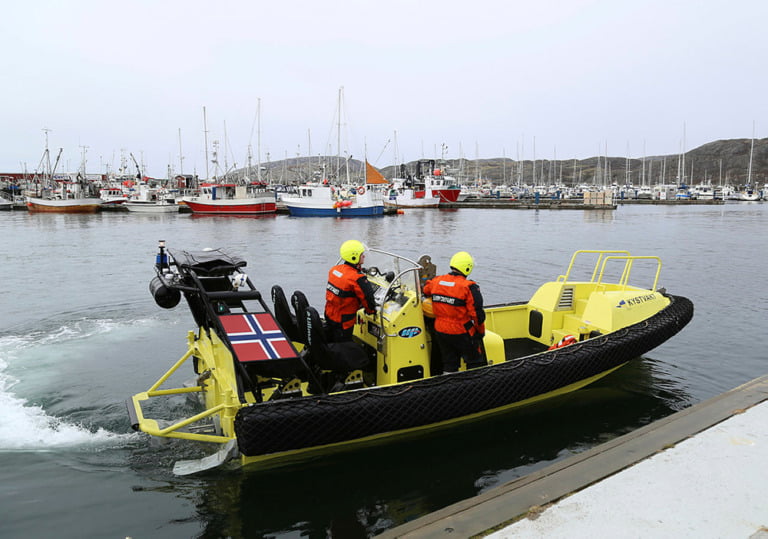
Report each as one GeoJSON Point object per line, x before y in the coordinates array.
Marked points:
{"type": "Point", "coordinates": [601, 254]}
{"type": "Point", "coordinates": [603, 257]}
{"type": "Point", "coordinates": [628, 262]}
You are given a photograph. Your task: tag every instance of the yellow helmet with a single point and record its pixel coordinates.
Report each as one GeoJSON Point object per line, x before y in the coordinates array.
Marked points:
{"type": "Point", "coordinates": [351, 251]}
{"type": "Point", "coordinates": [463, 262]}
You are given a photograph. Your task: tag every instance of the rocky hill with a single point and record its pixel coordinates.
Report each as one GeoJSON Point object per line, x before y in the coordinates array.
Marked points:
{"type": "Point", "coordinates": [719, 162]}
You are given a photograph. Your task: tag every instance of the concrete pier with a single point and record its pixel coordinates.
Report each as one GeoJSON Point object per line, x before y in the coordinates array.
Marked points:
{"type": "Point", "coordinates": [697, 473]}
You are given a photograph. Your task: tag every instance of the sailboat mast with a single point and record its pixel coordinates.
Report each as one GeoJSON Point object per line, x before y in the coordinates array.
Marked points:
{"type": "Point", "coordinates": [226, 150]}
{"type": "Point", "coordinates": [48, 170]}
{"type": "Point", "coordinates": [181, 156]}
{"type": "Point", "coordinates": [205, 133]}
{"type": "Point", "coordinates": [503, 166]}
{"type": "Point", "coordinates": [682, 178]}
{"type": "Point", "coordinates": [338, 135]}
{"type": "Point", "coordinates": [258, 140]}
{"type": "Point", "coordinates": [309, 155]}
{"type": "Point", "coordinates": [751, 151]}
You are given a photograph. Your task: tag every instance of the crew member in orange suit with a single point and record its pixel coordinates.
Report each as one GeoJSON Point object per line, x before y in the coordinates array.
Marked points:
{"type": "Point", "coordinates": [347, 291]}
{"type": "Point", "coordinates": [457, 305]}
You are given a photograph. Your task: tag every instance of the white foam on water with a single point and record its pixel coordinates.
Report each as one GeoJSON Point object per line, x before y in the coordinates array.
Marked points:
{"type": "Point", "coordinates": [27, 427]}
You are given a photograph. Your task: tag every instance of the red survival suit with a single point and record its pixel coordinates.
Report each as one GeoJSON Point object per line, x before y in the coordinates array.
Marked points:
{"type": "Point", "coordinates": [459, 319]}
{"type": "Point", "coordinates": [348, 289]}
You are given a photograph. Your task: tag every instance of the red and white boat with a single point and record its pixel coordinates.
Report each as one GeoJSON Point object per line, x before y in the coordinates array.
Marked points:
{"type": "Point", "coordinates": [436, 183]}
{"type": "Point", "coordinates": [230, 198]}
{"type": "Point", "coordinates": [407, 193]}
{"type": "Point", "coordinates": [112, 195]}
{"type": "Point", "coordinates": [427, 188]}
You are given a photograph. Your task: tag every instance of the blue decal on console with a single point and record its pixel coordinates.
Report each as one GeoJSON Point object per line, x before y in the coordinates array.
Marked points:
{"type": "Point", "coordinates": [409, 332]}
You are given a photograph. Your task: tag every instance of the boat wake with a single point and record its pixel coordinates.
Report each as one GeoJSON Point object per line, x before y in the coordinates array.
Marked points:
{"type": "Point", "coordinates": [28, 357]}
{"type": "Point", "coordinates": [27, 427]}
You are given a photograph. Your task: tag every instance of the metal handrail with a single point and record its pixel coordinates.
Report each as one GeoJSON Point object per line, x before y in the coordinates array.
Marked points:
{"type": "Point", "coordinates": [601, 253]}
{"type": "Point", "coordinates": [628, 262]}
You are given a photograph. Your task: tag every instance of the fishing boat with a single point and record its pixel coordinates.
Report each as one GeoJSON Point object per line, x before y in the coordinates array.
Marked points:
{"type": "Point", "coordinates": [65, 193]}
{"type": "Point", "coordinates": [230, 198]}
{"type": "Point", "coordinates": [152, 206]}
{"type": "Point", "coordinates": [325, 200]}
{"type": "Point", "coordinates": [274, 389]}
{"type": "Point", "coordinates": [64, 205]}
{"type": "Point", "coordinates": [437, 183]}
{"type": "Point", "coordinates": [152, 200]}
{"type": "Point", "coordinates": [112, 196]}
{"type": "Point", "coordinates": [409, 191]}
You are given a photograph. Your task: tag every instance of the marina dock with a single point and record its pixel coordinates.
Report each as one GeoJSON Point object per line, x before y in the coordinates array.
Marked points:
{"type": "Point", "coordinates": [696, 473]}
{"type": "Point", "coordinates": [566, 204]}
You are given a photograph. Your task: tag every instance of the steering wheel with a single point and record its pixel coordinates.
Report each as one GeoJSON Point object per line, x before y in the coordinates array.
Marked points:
{"type": "Point", "coordinates": [392, 292]}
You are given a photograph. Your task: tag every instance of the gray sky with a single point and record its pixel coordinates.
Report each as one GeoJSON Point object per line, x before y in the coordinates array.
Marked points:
{"type": "Point", "coordinates": [485, 78]}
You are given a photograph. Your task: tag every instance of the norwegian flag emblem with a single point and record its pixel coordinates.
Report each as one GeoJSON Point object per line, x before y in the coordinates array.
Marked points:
{"type": "Point", "coordinates": [257, 337]}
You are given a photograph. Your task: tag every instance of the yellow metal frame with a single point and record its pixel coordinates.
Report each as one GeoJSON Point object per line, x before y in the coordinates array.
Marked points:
{"type": "Point", "coordinates": [602, 260]}
{"type": "Point", "coordinates": [150, 426]}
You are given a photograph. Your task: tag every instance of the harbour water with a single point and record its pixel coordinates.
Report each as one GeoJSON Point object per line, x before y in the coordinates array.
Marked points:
{"type": "Point", "coordinates": [79, 333]}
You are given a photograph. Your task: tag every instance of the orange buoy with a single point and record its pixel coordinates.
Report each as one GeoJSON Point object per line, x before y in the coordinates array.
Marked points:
{"type": "Point", "coordinates": [565, 341]}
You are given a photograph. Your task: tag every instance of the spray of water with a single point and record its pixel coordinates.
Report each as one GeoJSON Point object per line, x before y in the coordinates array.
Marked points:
{"type": "Point", "coordinates": [25, 426]}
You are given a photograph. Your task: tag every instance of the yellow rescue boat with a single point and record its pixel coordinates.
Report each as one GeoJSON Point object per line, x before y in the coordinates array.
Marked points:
{"type": "Point", "coordinates": [273, 388]}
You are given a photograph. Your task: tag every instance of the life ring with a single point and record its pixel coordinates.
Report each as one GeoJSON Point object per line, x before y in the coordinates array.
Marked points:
{"type": "Point", "coordinates": [565, 341]}
{"type": "Point", "coordinates": [361, 190]}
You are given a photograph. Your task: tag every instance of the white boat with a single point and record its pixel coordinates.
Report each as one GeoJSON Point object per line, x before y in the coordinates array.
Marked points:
{"type": "Point", "coordinates": [112, 195]}
{"type": "Point", "coordinates": [703, 192]}
{"type": "Point", "coordinates": [70, 197]}
{"type": "Point", "coordinates": [318, 200]}
{"type": "Point", "coordinates": [149, 206]}
{"type": "Point", "coordinates": [152, 200]}
{"type": "Point", "coordinates": [5, 204]}
{"type": "Point", "coordinates": [748, 192]}
{"type": "Point", "coordinates": [325, 200]}
{"type": "Point", "coordinates": [410, 192]}
{"type": "Point", "coordinates": [409, 198]}
{"type": "Point", "coordinates": [64, 193]}
{"type": "Point", "coordinates": [64, 205]}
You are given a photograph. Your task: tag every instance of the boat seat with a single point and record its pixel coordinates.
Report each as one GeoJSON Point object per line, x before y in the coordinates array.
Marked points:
{"type": "Point", "coordinates": [284, 316]}
{"type": "Point", "coordinates": [339, 357]}
{"type": "Point", "coordinates": [300, 303]}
